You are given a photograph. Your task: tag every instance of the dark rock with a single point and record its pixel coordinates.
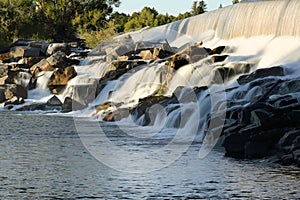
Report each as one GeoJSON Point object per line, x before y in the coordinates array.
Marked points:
{"type": "Point", "coordinates": [24, 51]}
{"type": "Point", "coordinates": [54, 101]}
{"type": "Point", "coordinates": [217, 50]}
{"type": "Point", "coordinates": [218, 58]}
{"type": "Point", "coordinates": [71, 105]}
{"type": "Point", "coordinates": [261, 73]}
{"type": "Point", "coordinates": [9, 91]}
{"type": "Point", "coordinates": [257, 149]}
{"type": "Point", "coordinates": [287, 159]}
{"type": "Point", "coordinates": [33, 107]}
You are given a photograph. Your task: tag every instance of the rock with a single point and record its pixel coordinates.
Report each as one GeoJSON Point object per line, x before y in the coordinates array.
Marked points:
{"type": "Point", "coordinates": [217, 50]}
{"type": "Point", "coordinates": [20, 42]}
{"type": "Point", "coordinates": [33, 107]}
{"type": "Point", "coordinates": [14, 101]}
{"type": "Point", "coordinates": [71, 105]}
{"type": "Point", "coordinates": [4, 56]}
{"type": "Point", "coordinates": [57, 60]}
{"type": "Point", "coordinates": [261, 73]}
{"type": "Point", "coordinates": [24, 51]}
{"type": "Point", "coordinates": [257, 149]}
{"type": "Point", "coordinates": [227, 72]}
{"type": "Point", "coordinates": [117, 115]}
{"type": "Point", "coordinates": [104, 106]}
{"type": "Point", "coordinates": [121, 50]}
{"type": "Point", "coordinates": [287, 159]}
{"type": "Point", "coordinates": [218, 58]}
{"type": "Point", "coordinates": [43, 65]}
{"type": "Point", "coordinates": [28, 62]}
{"type": "Point", "coordinates": [178, 61]}
{"type": "Point", "coordinates": [146, 55]}
{"type": "Point", "coordinates": [10, 91]}
{"type": "Point", "coordinates": [60, 78]}
{"type": "Point", "coordinates": [286, 142]}
{"type": "Point", "coordinates": [54, 101]}
{"type": "Point", "coordinates": [56, 47]}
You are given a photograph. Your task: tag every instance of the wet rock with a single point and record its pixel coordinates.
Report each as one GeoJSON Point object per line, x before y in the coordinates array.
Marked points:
{"type": "Point", "coordinates": [217, 50]}
{"type": "Point", "coordinates": [54, 101]}
{"type": "Point", "coordinates": [178, 61]}
{"type": "Point", "coordinates": [60, 78]}
{"type": "Point", "coordinates": [261, 73]}
{"type": "Point", "coordinates": [117, 115]}
{"type": "Point", "coordinates": [33, 107]}
{"type": "Point", "coordinates": [24, 51]}
{"type": "Point", "coordinates": [14, 101]}
{"type": "Point", "coordinates": [227, 72]}
{"type": "Point", "coordinates": [219, 58]}
{"type": "Point", "coordinates": [104, 106]}
{"type": "Point", "coordinates": [71, 105]}
{"type": "Point", "coordinates": [10, 91]}
{"type": "Point", "coordinates": [56, 47]}
{"type": "Point", "coordinates": [30, 61]}
{"type": "Point", "coordinates": [57, 60]}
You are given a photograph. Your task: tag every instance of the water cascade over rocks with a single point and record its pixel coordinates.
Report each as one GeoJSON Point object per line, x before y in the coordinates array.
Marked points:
{"type": "Point", "coordinates": [232, 74]}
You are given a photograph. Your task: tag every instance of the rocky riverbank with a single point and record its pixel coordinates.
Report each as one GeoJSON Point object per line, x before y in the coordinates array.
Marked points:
{"type": "Point", "coordinates": [262, 107]}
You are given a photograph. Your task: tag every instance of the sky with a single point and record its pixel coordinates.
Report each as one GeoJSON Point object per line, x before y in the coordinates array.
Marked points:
{"type": "Point", "coordinates": [173, 7]}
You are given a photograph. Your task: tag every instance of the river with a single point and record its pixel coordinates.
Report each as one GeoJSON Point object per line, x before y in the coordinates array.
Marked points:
{"type": "Point", "coordinates": [42, 157]}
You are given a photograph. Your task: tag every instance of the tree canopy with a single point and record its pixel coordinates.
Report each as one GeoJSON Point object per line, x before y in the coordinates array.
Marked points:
{"type": "Point", "coordinates": [62, 20]}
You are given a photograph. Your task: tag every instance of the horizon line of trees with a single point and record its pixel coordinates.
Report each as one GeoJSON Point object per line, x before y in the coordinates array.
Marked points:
{"type": "Point", "coordinates": [65, 20]}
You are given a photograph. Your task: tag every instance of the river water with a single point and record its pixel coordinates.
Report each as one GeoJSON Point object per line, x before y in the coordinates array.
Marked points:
{"type": "Point", "coordinates": [42, 157]}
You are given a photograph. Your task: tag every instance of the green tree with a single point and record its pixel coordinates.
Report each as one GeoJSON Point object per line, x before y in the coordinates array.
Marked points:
{"type": "Point", "coordinates": [198, 8]}
{"type": "Point", "coordinates": [141, 19]}
{"type": "Point", "coordinates": [221, 6]}
{"type": "Point", "coordinates": [183, 16]}
{"type": "Point", "coordinates": [120, 19]}
{"type": "Point", "coordinates": [235, 1]}
{"type": "Point", "coordinates": [202, 7]}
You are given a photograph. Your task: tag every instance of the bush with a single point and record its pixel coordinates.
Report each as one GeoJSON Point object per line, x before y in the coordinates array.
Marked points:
{"type": "Point", "coordinates": [93, 38]}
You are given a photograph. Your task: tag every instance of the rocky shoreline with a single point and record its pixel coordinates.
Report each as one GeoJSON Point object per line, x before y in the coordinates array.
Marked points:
{"type": "Point", "coordinates": [262, 111]}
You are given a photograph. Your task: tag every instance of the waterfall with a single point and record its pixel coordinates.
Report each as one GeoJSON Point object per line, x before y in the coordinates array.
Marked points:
{"type": "Point", "coordinates": [247, 19]}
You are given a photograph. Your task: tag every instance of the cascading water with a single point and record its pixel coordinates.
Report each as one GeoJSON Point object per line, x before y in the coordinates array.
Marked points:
{"type": "Point", "coordinates": [256, 35]}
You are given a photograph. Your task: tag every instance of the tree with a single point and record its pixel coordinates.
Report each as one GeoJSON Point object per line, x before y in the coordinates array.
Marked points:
{"type": "Point", "coordinates": [220, 6]}
{"type": "Point", "coordinates": [119, 20]}
{"type": "Point", "coordinates": [202, 7]}
{"type": "Point", "coordinates": [146, 17]}
{"type": "Point", "coordinates": [198, 8]}
{"type": "Point", "coordinates": [183, 16]}
{"type": "Point", "coordinates": [235, 1]}
{"type": "Point", "coordinates": [194, 8]}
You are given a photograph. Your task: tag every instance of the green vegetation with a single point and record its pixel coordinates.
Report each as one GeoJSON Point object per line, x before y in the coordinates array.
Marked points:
{"type": "Point", "coordinates": [65, 20]}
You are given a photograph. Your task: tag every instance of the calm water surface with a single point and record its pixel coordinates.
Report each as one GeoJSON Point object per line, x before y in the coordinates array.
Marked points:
{"type": "Point", "coordinates": [42, 157]}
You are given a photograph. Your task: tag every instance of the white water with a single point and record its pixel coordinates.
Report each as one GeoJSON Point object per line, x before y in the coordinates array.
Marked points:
{"type": "Point", "coordinates": [265, 34]}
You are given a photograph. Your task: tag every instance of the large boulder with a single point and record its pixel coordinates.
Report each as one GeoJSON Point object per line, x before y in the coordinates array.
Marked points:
{"type": "Point", "coordinates": [10, 91]}
{"type": "Point", "coordinates": [24, 51]}
{"type": "Point", "coordinates": [60, 78]}
{"type": "Point", "coordinates": [261, 73]}
{"type": "Point", "coordinates": [56, 47]}
{"type": "Point", "coordinates": [57, 60]}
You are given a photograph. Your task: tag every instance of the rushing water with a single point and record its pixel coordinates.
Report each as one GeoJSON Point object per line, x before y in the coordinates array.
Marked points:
{"type": "Point", "coordinates": [42, 157]}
